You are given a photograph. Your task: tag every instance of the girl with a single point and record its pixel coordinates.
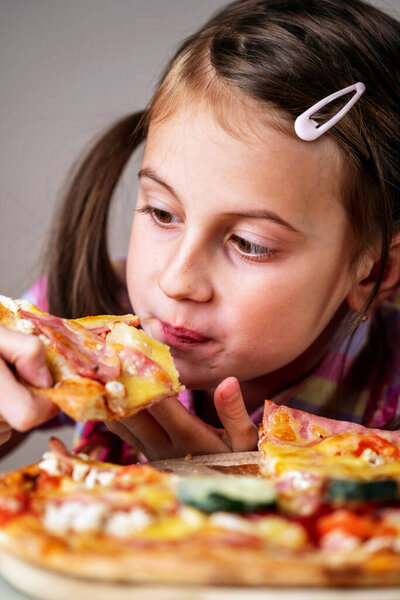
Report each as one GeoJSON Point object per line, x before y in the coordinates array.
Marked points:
{"type": "Point", "coordinates": [268, 263]}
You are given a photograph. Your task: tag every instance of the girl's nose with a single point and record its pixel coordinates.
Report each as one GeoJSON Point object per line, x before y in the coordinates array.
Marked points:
{"type": "Point", "coordinates": [186, 275]}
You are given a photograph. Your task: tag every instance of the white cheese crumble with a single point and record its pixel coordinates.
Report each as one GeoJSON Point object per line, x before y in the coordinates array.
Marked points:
{"type": "Point", "coordinates": [96, 477]}
{"type": "Point", "coordinates": [116, 389]}
{"type": "Point", "coordinates": [80, 471]}
{"type": "Point", "coordinates": [231, 522]}
{"type": "Point", "coordinates": [372, 457]}
{"type": "Point", "coordinates": [51, 464]}
{"type": "Point", "coordinates": [74, 515]}
{"type": "Point", "coordinates": [105, 478]}
{"type": "Point", "coordinates": [123, 524]}
{"type": "Point", "coordinates": [24, 326]}
{"type": "Point", "coordinates": [299, 481]}
{"type": "Point", "coordinates": [24, 304]}
{"type": "Point", "coordinates": [91, 479]}
{"type": "Point", "coordinates": [96, 516]}
{"type": "Point", "coordinates": [9, 303]}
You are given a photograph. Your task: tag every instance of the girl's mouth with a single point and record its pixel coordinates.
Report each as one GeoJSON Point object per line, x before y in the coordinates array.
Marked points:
{"type": "Point", "coordinates": [180, 336]}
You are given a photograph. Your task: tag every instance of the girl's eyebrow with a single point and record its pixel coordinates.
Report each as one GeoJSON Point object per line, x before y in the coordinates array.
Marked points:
{"type": "Point", "coordinates": [146, 172]}
{"type": "Point", "coordinates": [254, 214]}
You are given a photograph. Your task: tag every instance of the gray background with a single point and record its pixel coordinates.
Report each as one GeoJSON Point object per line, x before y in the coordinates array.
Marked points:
{"type": "Point", "coordinates": [67, 69]}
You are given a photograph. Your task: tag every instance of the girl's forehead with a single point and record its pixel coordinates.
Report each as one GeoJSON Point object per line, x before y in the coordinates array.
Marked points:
{"type": "Point", "coordinates": [193, 153]}
{"type": "Point", "coordinates": [237, 114]}
{"type": "Point", "coordinates": [243, 132]}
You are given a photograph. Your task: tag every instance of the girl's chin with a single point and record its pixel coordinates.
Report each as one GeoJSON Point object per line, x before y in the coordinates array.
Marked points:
{"type": "Point", "coordinates": [198, 382]}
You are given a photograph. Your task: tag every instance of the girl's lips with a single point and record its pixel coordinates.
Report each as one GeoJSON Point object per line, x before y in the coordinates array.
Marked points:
{"type": "Point", "coordinates": [180, 336]}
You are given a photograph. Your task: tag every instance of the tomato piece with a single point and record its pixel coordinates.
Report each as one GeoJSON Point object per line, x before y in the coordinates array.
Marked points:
{"type": "Point", "coordinates": [48, 482]}
{"type": "Point", "coordinates": [361, 526]}
{"type": "Point", "coordinates": [377, 444]}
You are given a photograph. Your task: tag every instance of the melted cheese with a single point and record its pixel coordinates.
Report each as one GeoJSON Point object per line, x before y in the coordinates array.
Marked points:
{"type": "Point", "coordinates": [333, 457]}
{"type": "Point", "coordinates": [141, 388]}
{"type": "Point", "coordinates": [175, 527]}
{"type": "Point", "coordinates": [52, 464]}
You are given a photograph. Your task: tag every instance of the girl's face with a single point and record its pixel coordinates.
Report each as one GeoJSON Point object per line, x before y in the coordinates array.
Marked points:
{"type": "Point", "coordinates": [238, 257]}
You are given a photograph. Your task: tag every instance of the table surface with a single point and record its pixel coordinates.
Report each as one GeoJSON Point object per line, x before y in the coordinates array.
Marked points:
{"type": "Point", "coordinates": [7, 592]}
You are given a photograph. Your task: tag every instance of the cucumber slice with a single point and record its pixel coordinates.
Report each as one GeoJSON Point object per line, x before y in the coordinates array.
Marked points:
{"type": "Point", "coordinates": [226, 493]}
{"type": "Point", "coordinates": [340, 491]}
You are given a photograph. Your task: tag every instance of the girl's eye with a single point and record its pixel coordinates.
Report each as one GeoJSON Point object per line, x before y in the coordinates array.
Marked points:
{"type": "Point", "coordinates": [251, 250]}
{"type": "Point", "coordinates": [163, 216]}
{"type": "Point", "coordinates": [159, 216]}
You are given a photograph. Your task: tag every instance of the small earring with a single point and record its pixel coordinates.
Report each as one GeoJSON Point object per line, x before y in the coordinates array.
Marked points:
{"type": "Point", "coordinates": [364, 318]}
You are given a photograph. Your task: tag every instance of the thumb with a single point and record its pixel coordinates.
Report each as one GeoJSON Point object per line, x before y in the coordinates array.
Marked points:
{"type": "Point", "coordinates": [229, 404]}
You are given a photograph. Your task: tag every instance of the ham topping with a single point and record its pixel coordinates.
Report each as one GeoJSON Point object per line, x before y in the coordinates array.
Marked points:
{"type": "Point", "coordinates": [141, 365]}
{"type": "Point", "coordinates": [286, 425]}
{"type": "Point", "coordinates": [87, 352]}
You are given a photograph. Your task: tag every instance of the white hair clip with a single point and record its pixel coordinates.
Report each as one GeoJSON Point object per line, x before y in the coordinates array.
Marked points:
{"type": "Point", "coordinates": [307, 129]}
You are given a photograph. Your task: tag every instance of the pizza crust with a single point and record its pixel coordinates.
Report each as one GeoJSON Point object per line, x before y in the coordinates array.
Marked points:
{"type": "Point", "coordinates": [188, 561]}
{"type": "Point", "coordinates": [215, 566]}
{"type": "Point", "coordinates": [87, 400]}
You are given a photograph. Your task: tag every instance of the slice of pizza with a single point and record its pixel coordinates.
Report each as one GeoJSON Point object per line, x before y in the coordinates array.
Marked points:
{"type": "Point", "coordinates": [316, 460]}
{"type": "Point", "coordinates": [103, 367]}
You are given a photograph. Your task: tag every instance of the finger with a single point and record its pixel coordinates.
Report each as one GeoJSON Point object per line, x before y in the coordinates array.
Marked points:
{"type": "Point", "coordinates": [231, 409]}
{"type": "Point", "coordinates": [4, 426]}
{"type": "Point", "coordinates": [125, 434]}
{"type": "Point", "coordinates": [187, 432]}
{"type": "Point", "coordinates": [143, 432]}
{"type": "Point", "coordinates": [5, 431]}
{"type": "Point", "coordinates": [146, 428]}
{"type": "Point", "coordinates": [5, 436]}
{"type": "Point", "coordinates": [18, 407]}
{"type": "Point", "coordinates": [27, 354]}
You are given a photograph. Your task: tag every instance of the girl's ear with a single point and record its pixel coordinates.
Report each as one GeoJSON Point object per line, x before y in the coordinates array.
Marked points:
{"type": "Point", "coordinates": [367, 274]}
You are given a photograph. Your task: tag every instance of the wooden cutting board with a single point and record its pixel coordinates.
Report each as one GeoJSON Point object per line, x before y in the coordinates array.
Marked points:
{"type": "Point", "coordinates": [48, 585]}
{"type": "Point", "coordinates": [234, 463]}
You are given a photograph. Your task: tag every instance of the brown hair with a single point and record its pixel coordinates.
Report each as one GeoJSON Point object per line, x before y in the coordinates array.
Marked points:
{"type": "Point", "coordinates": [279, 54]}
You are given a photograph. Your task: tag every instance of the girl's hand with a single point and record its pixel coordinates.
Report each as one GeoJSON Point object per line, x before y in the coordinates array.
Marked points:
{"type": "Point", "coordinates": [23, 354]}
{"type": "Point", "coordinates": [168, 429]}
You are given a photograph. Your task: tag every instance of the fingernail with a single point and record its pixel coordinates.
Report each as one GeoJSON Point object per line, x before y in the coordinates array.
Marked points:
{"type": "Point", "coordinates": [43, 378]}
{"type": "Point", "coordinates": [230, 390]}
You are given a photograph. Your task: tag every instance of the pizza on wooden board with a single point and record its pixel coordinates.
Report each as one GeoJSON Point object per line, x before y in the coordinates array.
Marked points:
{"type": "Point", "coordinates": [103, 367]}
{"type": "Point", "coordinates": [323, 510]}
